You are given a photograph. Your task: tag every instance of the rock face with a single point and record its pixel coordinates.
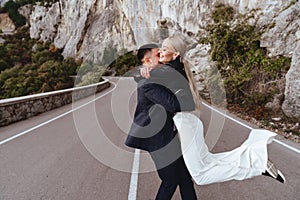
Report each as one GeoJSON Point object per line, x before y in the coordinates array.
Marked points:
{"type": "Point", "coordinates": [44, 22]}
{"type": "Point", "coordinates": [90, 28]}
{"type": "Point", "coordinates": [2, 2]}
{"type": "Point", "coordinates": [291, 104]}
{"type": "Point", "coordinates": [84, 29]}
{"type": "Point", "coordinates": [284, 39]}
{"type": "Point", "coordinates": [6, 24]}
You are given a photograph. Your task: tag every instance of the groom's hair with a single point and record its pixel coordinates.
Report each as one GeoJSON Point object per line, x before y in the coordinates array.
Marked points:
{"type": "Point", "coordinates": [145, 49]}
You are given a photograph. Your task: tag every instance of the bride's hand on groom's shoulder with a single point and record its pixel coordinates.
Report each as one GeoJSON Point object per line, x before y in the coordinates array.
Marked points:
{"type": "Point", "coordinates": [145, 72]}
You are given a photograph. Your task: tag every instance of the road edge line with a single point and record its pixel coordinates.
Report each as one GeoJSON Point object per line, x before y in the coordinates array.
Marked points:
{"type": "Point", "coordinates": [229, 117]}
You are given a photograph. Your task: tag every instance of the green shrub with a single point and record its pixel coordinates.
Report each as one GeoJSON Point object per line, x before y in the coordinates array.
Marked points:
{"type": "Point", "coordinates": [222, 13]}
{"type": "Point", "coordinates": [85, 67]}
{"type": "Point", "coordinates": [92, 77]}
{"type": "Point", "coordinates": [3, 65]}
{"type": "Point", "coordinates": [17, 48]}
{"type": "Point", "coordinates": [28, 66]}
{"type": "Point", "coordinates": [243, 64]}
{"type": "Point", "coordinates": [89, 73]}
{"type": "Point", "coordinates": [124, 63]}
{"type": "Point", "coordinates": [109, 55]}
{"type": "Point", "coordinates": [70, 66]}
{"type": "Point", "coordinates": [44, 74]}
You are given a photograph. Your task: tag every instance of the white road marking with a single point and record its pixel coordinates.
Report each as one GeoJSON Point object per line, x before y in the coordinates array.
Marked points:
{"type": "Point", "coordinates": [245, 125]}
{"type": "Point", "coordinates": [287, 146]}
{"type": "Point", "coordinates": [238, 122]}
{"type": "Point", "coordinates": [134, 176]}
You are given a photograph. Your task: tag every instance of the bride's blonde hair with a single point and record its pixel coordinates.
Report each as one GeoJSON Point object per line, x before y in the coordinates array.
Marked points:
{"type": "Point", "coordinates": [177, 44]}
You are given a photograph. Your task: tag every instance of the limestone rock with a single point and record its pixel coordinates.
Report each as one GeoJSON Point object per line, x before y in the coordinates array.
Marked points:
{"type": "Point", "coordinates": [2, 2]}
{"type": "Point", "coordinates": [291, 104]}
{"type": "Point", "coordinates": [282, 38]}
{"type": "Point", "coordinates": [43, 22]}
{"type": "Point", "coordinates": [275, 105]}
{"type": "Point", "coordinates": [106, 31]}
{"type": "Point", "coordinates": [26, 11]}
{"type": "Point", "coordinates": [6, 24]}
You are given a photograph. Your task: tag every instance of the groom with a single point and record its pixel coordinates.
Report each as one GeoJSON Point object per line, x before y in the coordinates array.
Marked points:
{"type": "Point", "coordinates": [153, 130]}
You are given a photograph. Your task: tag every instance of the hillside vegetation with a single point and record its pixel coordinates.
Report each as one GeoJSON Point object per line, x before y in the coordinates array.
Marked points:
{"type": "Point", "coordinates": [249, 77]}
{"type": "Point", "coordinates": [29, 66]}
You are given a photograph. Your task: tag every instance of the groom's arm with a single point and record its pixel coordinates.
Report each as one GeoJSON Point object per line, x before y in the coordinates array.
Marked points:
{"type": "Point", "coordinates": [159, 94]}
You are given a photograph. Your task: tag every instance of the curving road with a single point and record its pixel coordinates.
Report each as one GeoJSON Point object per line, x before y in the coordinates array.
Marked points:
{"type": "Point", "coordinates": [78, 152]}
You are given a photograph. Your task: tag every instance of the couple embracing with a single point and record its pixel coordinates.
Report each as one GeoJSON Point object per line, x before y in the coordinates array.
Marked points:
{"type": "Point", "coordinates": [166, 124]}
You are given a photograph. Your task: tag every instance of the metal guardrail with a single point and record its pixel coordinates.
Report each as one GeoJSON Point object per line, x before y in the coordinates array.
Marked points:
{"type": "Point", "coordinates": [19, 108]}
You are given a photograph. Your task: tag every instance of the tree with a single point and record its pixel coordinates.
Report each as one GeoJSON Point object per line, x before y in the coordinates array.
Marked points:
{"type": "Point", "coordinates": [11, 8]}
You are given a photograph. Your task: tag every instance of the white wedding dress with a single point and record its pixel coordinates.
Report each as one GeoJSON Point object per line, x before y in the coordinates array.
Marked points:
{"type": "Point", "coordinates": [246, 161]}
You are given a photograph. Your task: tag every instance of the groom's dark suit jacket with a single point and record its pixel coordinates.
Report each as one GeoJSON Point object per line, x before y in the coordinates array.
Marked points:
{"type": "Point", "coordinates": [158, 98]}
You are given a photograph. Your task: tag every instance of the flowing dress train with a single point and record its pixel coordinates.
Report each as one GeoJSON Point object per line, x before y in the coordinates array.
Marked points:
{"type": "Point", "coordinates": [246, 161]}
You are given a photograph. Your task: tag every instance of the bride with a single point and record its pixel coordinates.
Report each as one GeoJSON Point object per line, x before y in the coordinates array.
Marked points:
{"type": "Point", "coordinates": [246, 161]}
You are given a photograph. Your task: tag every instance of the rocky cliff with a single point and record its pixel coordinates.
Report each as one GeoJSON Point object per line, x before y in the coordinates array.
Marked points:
{"type": "Point", "coordinates": [86, 28]}
{"type": "Point", "coordinates": [6, 24]}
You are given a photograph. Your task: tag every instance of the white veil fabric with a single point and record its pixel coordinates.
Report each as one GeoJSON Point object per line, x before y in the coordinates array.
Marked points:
{"type": "Point", "coordinates": [246, 161]}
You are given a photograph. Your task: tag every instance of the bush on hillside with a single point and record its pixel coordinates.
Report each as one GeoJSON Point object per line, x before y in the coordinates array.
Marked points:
{"type": "Point", "coordinates": [243, 64]}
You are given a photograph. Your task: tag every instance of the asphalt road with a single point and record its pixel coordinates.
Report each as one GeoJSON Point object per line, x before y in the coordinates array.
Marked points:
{"type": "Point", "coordinates": [77, 152]}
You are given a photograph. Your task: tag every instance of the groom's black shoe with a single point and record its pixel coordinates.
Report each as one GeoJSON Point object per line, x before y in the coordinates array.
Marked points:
{"type": "Point", "coordinates": [273, 172]}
